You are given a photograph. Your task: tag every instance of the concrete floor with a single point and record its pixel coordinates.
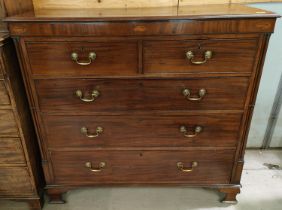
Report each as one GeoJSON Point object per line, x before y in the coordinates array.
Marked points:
{"type": "Point", "coordinates": [262, 190]}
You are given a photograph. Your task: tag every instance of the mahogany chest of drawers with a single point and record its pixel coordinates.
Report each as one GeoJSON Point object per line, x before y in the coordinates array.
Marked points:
{"type": "Point", "coordinates": [152, 99]}
{"type": "Point", "coordinates": [20, 170]}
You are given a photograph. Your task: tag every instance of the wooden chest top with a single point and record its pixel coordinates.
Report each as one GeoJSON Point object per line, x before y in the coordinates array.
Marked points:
{"type": "Point", "coordinates": [214, 19]}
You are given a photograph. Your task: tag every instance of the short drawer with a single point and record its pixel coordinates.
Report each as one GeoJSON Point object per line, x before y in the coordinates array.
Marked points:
{"type": "Point", "coordinates": [8, 126]}
{"type": "Point", "coordinates": [101, 167]}
{"type": "Point", "coordinates": [11, 151]}
{"type": "Point", "coordinates": [78, 95]}
{"type": "Point", "coordinates": [4, 97]}
{"type": "Point", "coordinates": [199, 56]}
{"type": "Point", "coordinates": [210, 130]}
{"type": "Point", "coordinates": [83, 58]}
{"type": "Point", "coordinates": [15, 182]}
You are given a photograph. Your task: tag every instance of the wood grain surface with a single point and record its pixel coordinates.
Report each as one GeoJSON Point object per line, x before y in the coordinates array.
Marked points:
{"type": "Point", "coordinates": [170, 56]}
{"type": "Point", "coordinates": [142, 167]}
{"type": "Point", "coordinates": [148, 104]}
{"type": "Point", "coordinates": [103, 3]}
{"type": "Point", "coordinates": [54, 58]}
{"type": "Point", "coordinates": [11, 151]}
{"type": "Point", "coordinates": [15, 7]}
{"type": "Point", "coordinates": [213, 10]}
{"type": "Point", "coordinates": [143, 95]}
{"type": "Point", "coordinates": [20, 170]}
{"type": "Point", "coordinates": [210, 2]}
{"type": "Point", "coordinates": [121, 58]}
{"type": "Point", "coordinates": [219, 130]}
{"type": "Point", "coordinates": [4, 97]}
{"type": "Point", "coordinates": [3, 26]}
{"type": "Point", "coordinates": [8, 125]}
{"type": "Point", "coordinates": [131, 3]}
{"type": "Point", "coordinates": [15, 181]}
{"type": "Point", "coordinates": [117, 27]}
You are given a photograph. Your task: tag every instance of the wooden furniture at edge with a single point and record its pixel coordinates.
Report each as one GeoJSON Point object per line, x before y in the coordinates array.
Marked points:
{"type": "Point", "coordinates": [158, 96]}
{"type": "Point", "coordinates": [20, 167]}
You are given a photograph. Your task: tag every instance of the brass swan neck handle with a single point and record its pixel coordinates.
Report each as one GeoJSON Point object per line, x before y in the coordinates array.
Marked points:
{"type": "Point", "coordinates": [91, 57]}
{"type": "Point", "coordinates": [207, 55]}
{"type": "Point", "coordinates": [187, 94]}
{"type": "Point", "coordinates": [84, 131]}
{"type": "Point", "coordinates": [94, 95]}
{"type": "Point", "coordinates": [197, 130]}
{"type": "Point", "coordinates": [182, 168]}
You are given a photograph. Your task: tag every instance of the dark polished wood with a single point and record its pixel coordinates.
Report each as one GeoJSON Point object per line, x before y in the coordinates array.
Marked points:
{"type": "Point", "coordinates": [21, 176]}
{"type": "Point", "coordinates": [230, 194]}
{"type": "Point", "coordinates": [219, 130]}
{"type": "Point", "coordinates": [142, 28]}
{"type": "Point", "coordinates": [170, 56]}
{"type": "Point", "coordinates": [134, 88]}
{"type": "Point", "coordinates": [113, 58]}
{"type": "Point", "coordinates": [142, 167]}
{"type": "Point", "coordinates": [128, 95]}
{"type": "Point", "coordinates": [56, 195]}
{"type": "Point", "coordinates": [122, 58]}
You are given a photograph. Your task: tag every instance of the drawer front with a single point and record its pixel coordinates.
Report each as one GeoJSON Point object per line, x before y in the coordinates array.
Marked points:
{"type": "Point", "coordinates": [126, 95]}
{"type": "Point", "coordinates": [8, 126]}
{"type": "Point", "coordinates": [198, 56]}
{"type": "Point", "coordinates": [209, 167]}
{"type": "Point", "coordinates": [11, 151]}
{"type": "Point", "coordinates": [4, 97]}
{"type": "Point", "coordinates": [140, 27]}
{"type": "Point", "coordinates": [56, 58]}
{"type": "Point", "coordinates": [15, 182]}
{"type": "Point", "coordinates": [209, 130]}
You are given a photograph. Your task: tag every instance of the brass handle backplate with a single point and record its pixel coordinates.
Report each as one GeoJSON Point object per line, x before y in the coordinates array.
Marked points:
{"type": "Point", "coordinates": [98, 169]}
{"type": "Point", "coordinates": [190, 55]}
{"type": "Point", "coordinates": [95, 94]}
{"type": "Point", "coordinates": [197, 130]}
{"type": "Point", "coordinates": [91, 57]}
{"type": "Point", "coordinates": [187, 94]}
{"type": "Point", "coordinates": [84, 131]}
{"type": "Point", "coordinates": [181, 167]}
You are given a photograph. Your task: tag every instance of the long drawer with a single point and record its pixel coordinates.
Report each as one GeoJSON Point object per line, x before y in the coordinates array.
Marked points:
{"type": "Point", "coordinates": [211, 130]}
{"type": "Point", "coordinates": [198, 56]}
{"type": "Point", "coordinates": [8, 126]}
{"type": "Point", "coordinates": [11, 151]}
{"type": "Point", "coordinates": [74, 58]}
{"type": "Point", "coordinates": [101, 167]}
{"type": "Point", "coordinates": [78, 95]}
{"type": "Point", "coordinates": [15, 181]}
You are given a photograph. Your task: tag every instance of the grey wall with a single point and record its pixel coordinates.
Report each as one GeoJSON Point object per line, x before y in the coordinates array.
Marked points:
{"type": "Point", "coordinates": [269, 84]}
{"type": "Point", "coordinates": [277, 135]}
